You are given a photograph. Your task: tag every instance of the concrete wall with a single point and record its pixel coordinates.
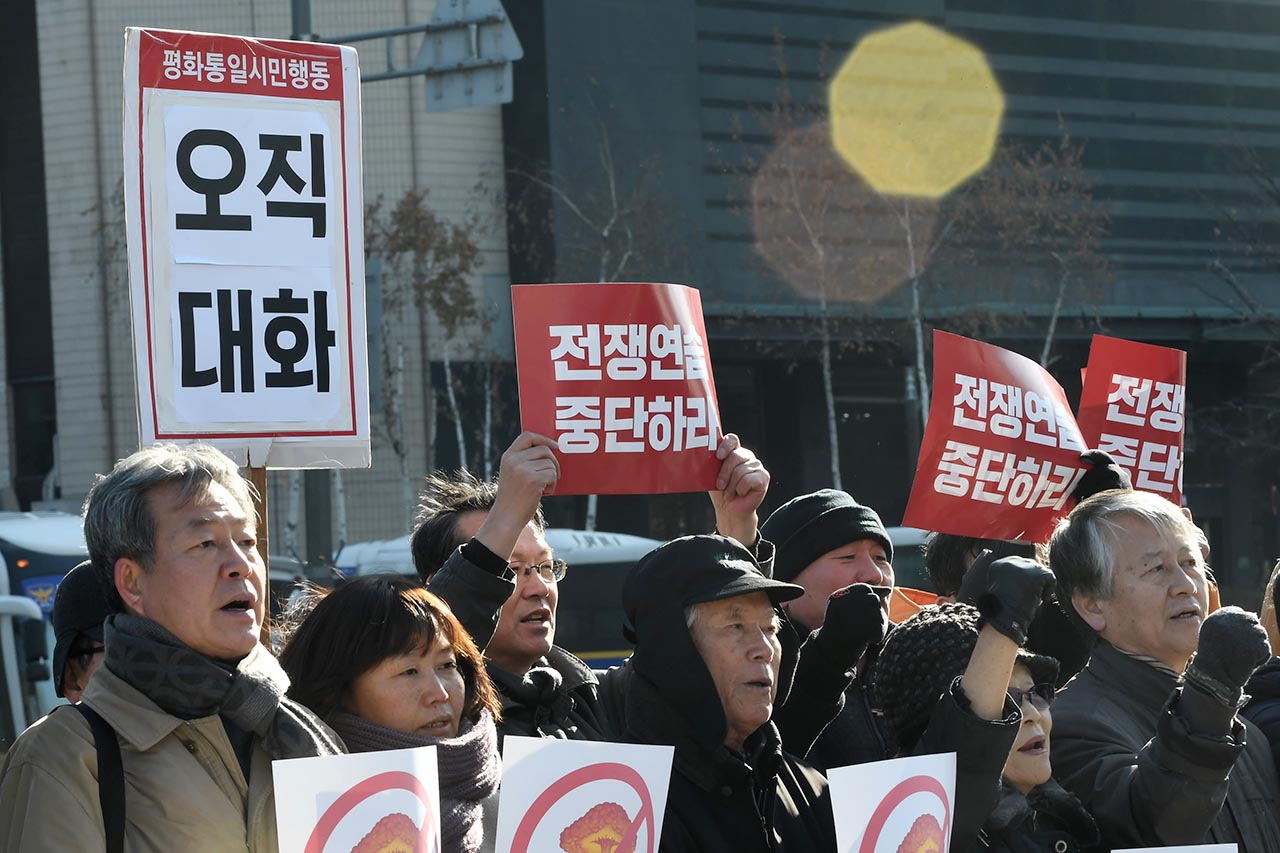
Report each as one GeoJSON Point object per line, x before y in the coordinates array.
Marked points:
{"type": "Point", "coordinates": [81, 57]}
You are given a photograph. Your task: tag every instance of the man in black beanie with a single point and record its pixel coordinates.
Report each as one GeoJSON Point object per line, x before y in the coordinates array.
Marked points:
{"type": "Point", "coordinates": [711, 659]}
{"type": "Point", "coordinates": [840, 552]}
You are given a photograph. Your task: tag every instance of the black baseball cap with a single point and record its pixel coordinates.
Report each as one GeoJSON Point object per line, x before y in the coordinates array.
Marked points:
{"type": "Point", "coordinates": [79, 608]}
{"type": "Point", "coordinates": [695, 570]}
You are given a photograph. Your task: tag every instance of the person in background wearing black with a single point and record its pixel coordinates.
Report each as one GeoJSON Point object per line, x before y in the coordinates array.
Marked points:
{"type": "Point", "coordinates": [80, 607]}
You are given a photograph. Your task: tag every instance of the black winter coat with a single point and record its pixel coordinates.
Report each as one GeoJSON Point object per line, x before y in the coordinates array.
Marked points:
{"type": "Point", "coordinates": [560, 697]}
{"type": "Point", "coordinates": [857, 735]}
{"type": "Point", "coordinates": [1263, 709]}
{"type": "Point", "coordinates": [1046, 820]}
{"type": "Point", "coordinates": [981, 748]}
{"type": "Point", "coordinates": [832, 710]}
{"type": "Point", "coordinates": [1148, 780]}
{"type": "Point", "coordinates": [761, 800]}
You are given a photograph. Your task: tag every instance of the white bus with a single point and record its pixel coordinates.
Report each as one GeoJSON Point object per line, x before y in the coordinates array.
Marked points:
{"type": "Point", "coordinates": [589, 615]}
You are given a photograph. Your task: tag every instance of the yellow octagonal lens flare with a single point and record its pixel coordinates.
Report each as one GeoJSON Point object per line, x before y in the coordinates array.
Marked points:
{"type": "Point", "coordinates": [915, 110]}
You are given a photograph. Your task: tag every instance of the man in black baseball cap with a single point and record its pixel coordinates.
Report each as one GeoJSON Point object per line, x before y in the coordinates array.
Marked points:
{"type": "Point", "coordinates": [708, 667]}
{"type": "Point", "coordinates": [79, 608]}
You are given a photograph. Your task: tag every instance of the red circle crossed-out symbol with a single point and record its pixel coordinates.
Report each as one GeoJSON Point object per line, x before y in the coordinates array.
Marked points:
{"type": "Point", "coordinates": [393, 780]}
{"type": "Point", "coordinates": [606, 771]}
{"type": "Point", "coordinates": [904, 789]}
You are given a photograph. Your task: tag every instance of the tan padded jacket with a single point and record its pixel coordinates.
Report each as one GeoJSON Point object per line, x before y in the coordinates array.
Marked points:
{"type": "Point", "coordinates": [184, 789]}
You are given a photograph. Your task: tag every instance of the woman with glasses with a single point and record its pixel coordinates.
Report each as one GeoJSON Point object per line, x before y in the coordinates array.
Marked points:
{"type": "Point", "coordinates": [387, 665]}
{"type": "Point", "coordinates": [932, 653]}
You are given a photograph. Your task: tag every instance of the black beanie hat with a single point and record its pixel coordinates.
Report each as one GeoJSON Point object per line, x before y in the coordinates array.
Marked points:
{"type": "Point", "coordinates": [805, 528]}
{"type": "Point", "coordinates": [920, 659]}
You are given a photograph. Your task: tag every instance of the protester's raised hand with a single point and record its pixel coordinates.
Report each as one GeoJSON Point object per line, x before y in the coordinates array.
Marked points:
{"type": "Point", "coordinates": [1103, 475]}
{"type": "Point", "coordinates": [855, 621]}
{"type": "Point", "coordinates": [740, 488]}
{"type": "Point", "coordinates": [1232, 645]}
{"type": "Point", "coordinates": [1008, 592]}
{"type": "Point", "coordinates": [528, 470]}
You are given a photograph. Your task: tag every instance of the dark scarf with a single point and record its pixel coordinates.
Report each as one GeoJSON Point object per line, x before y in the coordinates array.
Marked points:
{"type": "Point", "coordinates": [1046, 810]}
{"type": "Point", "coordinates": [467, 766]}
{"type": "Point", "coordinates": [186, 684]}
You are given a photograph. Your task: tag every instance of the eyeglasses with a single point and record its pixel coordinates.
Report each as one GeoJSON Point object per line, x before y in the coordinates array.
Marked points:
{"type": "Point", "coordinates": [82, 655]}
{"type": "Point", "coordinates": [550, 572]}
{"type": "Point", "coordinates": [1040, 696]}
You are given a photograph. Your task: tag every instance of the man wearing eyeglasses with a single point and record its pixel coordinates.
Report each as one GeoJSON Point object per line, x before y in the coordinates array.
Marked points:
{"type": "Point", "coordinates": [479, 543]}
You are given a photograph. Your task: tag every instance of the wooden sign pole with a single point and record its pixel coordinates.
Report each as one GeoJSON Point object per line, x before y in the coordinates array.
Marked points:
{"type": "Point", "coordinates": [258, 477]}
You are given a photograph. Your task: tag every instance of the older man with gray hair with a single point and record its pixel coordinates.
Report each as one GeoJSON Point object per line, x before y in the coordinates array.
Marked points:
{"type": "Point", "coordinates": [1147, 735]}
{"type": "Point", "coordinates": [708, 667]}
{"type": "Point", "coordinates": [188, 709]}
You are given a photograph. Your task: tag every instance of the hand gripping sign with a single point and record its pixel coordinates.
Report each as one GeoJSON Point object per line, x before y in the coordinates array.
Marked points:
{"type": "Point", "coordinates": [620, 377]}
{"type": "Point", "coordinates": [1001, 454]}
{"type": "Point", "coordinates": [900, 806]}
{"type": "Point", "coordinates": [244, 212]}
{"type": "Point", "coordinates": [1133, 406]}
{"type": "Point", "coordinates": [363, 803]}
{"type": "Point", "coordinates": [581, 797]}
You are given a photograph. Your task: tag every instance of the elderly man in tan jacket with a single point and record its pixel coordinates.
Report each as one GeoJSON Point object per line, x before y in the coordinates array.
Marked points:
{"type": "Point", "coordinates": [195, 702]}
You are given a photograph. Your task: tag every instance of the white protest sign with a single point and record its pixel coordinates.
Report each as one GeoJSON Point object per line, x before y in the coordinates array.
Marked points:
{"type": "Point", "coordinates": [246, 252]}
{"type": "Point", "coordinates": [1182, 848]}
{"type": "Point", "coordinates": [363, 803]}
{"type": "Point", "coordinates": [906, 804]}
{"type": "Point", "coordinates": [581, 797]}
{"type": "Point", "coordinates": [1185, 848]}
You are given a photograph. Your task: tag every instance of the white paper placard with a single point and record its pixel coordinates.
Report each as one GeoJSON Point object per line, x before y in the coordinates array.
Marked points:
{"type": "Point", "coordinates": [1182, 848]}
{"type": "Point", "coordinates": [878, 805]}
{"type": "Point", "coordinates": [244, 215]}
{"type": "Point", "coordinates": [360, 803]}
{"type": "Point", "coordinates": [558, 792]}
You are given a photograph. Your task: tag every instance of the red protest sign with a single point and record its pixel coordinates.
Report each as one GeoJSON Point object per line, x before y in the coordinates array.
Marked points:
{"type": "Point", "coordinates": [619, 376]}
{"type": "Point", "coordinates": [1133, 406]}
{"type": "Point", "coordinates": [1001, 454]}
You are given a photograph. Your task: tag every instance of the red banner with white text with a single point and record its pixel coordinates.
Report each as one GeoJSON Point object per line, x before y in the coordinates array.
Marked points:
{"type": "Point", "coordinates": [619, 375]}
{"type": "Point", "coordinates": [1133, 406]}
{"type": "Point", "coordinates": [1001, 453]}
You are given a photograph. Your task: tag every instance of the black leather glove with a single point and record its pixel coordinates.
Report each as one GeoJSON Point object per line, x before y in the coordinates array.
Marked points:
{"type": "Point", "coordinates": [1103, 476]}
{"type": "Point", "coordinates": [855, 621]}
{"type": "Point", "coordinates": [1007, 592]}
{"type": "Point", "coordinates": [1232, 645]}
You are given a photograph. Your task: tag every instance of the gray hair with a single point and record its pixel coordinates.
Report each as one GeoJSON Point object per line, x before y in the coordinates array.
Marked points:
{"type": "Point", "coordinates": [691, 616]}
{"type": "Point", "coordinates": [118, 521]}
{"type": "Point", "coordinates": [1081, 550]}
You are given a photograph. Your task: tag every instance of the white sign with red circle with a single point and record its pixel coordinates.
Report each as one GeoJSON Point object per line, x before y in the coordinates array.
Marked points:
{"type": "Point", "coordinates": [361, 803]}
{"type": "Point", "coordinates": [905, 805]}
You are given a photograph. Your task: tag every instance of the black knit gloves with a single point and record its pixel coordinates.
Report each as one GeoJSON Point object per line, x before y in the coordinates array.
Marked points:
{"type": "Point", "coordinates": [1007, 592]}
{"type": "Point", "coordinates": [855, 621]}
{"type": "Point", "coordinates": [1103, 475]}
{"type": "Point", "coordinates": [1232, 645]}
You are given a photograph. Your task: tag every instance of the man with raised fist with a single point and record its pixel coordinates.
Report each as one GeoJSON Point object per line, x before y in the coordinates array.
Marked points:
{"type": "Point", "coordinates": [1148, 734]}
